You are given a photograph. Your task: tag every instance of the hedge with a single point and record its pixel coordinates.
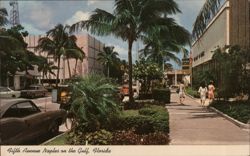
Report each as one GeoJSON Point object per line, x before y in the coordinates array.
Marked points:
{"type": "Point", "coordinates": [161, 95]}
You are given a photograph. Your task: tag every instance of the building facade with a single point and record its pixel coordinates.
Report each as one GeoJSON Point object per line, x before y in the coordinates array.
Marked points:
{"type": "Point", "coordinates": [91, 47]}
{"type": "Point", "coordinates": [230, 25]}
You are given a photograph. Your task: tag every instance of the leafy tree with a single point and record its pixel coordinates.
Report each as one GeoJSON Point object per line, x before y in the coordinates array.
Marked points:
{"type": "Point", "coordinates": [145, 72]}
{"type": "Point", "coordinates": [93, 103]}
{"type": "Point", "coordinates": [108, 57]}
{"type": "Point", "coordinates": [130, 20]}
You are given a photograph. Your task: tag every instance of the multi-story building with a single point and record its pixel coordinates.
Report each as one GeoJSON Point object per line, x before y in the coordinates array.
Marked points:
{"type": "Point", "coordinates": [229, 24]}
{"type": "Point", "coordinates": [91, 47]}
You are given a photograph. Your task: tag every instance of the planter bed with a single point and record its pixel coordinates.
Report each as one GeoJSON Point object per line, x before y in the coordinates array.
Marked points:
{"type": "Point", "coordinates": [239, 110]}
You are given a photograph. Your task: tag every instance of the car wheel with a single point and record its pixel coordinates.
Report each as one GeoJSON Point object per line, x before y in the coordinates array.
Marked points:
{"type": "Point", "coordinates": [54, 129]}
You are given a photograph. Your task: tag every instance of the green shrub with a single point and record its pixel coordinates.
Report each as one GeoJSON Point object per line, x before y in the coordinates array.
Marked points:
{"type": "Point", "coordinates": [239, 110]}
{"type": "Point", "coordinates": [149, 120]}
{"type": "Point", "coordinates": [128, 137]}
{"type": "Point", "coordinates": [101, 137]}
{"type": "Point", "coordinates": [161, 95]}
{"type": "Point", "coordinates": [157, 138]}
{"type": "Point", "coordinates": [192, 92]}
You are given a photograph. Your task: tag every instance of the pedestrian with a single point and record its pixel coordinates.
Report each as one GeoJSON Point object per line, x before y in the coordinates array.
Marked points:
{"type": "Point", "coordinates": [181, 92]}
{"type": "Point", "coordinates": [211, 89]}
{"type": "Point", "coordinates": [203, 92]}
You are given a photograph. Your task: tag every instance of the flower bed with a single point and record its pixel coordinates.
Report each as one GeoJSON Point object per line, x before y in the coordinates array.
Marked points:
{"type": "Point", "coordinates": [146, 126]}
{"type": "Point", "coordinates": [239, 110]}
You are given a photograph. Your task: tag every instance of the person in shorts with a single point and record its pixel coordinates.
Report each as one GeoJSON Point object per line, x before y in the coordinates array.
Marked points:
{"type": "Point", "coordinates": [181, 92]}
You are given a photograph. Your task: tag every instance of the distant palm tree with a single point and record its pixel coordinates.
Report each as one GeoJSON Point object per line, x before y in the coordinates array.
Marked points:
{"type": "Point", "coordinates": [164, 45]}
{"type": "Point", "coordinates": [108, 57]}
{"type": "Point", "coordinates": [73, 52]}
{"type": "Point", "coordinates": [3, 17]}
{"type": "Point", "coordinates": [208, 10]}
{"type": "Point", "coordinates": [59, 43]}
{"type": "Point", "coordinates": [129, 21]}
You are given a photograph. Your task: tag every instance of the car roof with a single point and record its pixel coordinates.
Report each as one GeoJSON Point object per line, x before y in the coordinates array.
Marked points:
{"type": "Point", "coordinates": [5, 104]}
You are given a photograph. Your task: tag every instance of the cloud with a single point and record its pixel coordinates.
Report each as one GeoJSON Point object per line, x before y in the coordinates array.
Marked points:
{"type": "Point", "coordinates": [32, 30]}
{"type": "Point", "coordinates": [78, 16]}
{"type": "Point", "coordinates": [92, 2]}
{"type": "Point", "coordinates": [38, 13]}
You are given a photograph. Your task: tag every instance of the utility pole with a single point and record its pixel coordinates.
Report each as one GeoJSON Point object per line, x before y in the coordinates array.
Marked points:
{"type": "Point", "coordinates": [14, 13]}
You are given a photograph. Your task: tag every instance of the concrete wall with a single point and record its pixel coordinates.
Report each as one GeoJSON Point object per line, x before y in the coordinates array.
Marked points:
{"type": "Point", "coordinates": [215, 35]}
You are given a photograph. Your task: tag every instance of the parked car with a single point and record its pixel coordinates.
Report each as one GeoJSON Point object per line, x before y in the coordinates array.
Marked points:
{"type": "Point", "coordinates": [6, 92]}
{"type": "Point", "coordinates": [22, 121]}
{"type": "Point", "coordinates": [34, 91]}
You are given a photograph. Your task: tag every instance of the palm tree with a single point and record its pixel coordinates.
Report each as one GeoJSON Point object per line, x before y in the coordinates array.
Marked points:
{"type": "Point", "coordinates": [164, 45]}
{"type": "Point", "coordinates": [108, 57]}
{"type": "Point", "coordinates": [73, 52]}
{"type": "Point", "coordinates": [3, 17]}
{"type": "Point", "coordinates": [207, 12]}
{"type": "Point", "coordinates": [59, 43]}
{"type": "Point", "coordinates": [129, 21]}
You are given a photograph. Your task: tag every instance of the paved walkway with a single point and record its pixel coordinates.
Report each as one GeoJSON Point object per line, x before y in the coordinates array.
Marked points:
{"type": "Point", "coordinates": [190, 124]}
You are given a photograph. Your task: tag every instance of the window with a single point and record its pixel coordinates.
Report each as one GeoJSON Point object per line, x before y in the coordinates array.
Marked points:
{"type": "Point", "coordinates": [12, 112]}
{"type": "Point", "coordinates": [27, 108]}
{"type": "Point", "coordinates": [21, 110]}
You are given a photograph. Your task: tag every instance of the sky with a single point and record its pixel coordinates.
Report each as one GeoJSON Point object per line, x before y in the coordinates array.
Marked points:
{"type": "Point", "coordinates": [39, 16]}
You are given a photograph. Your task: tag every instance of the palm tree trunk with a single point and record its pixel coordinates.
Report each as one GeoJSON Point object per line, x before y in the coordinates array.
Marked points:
{"type": "Point", "coordinates": [108, 71]}
{"type": "Point", "coordinates": [76, 66]}
{"type": "Point", "coordinates": [69, 68]}
{"type": "Point", "coordinates": [58, 71]}
{"type": "Point", "coordinates": [130, 44]}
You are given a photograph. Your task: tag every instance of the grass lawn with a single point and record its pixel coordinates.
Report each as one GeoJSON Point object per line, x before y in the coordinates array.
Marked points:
{"type": "Point", "coordinates": [239, 110]}
{"type": "Point", "coordinates": [61, 140]}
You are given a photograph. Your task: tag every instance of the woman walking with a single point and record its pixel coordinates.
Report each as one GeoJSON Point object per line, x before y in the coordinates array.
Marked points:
{"type": "Point", "coordinates": [211, 89]}
{"type": "Point", "coordinates": [203, 92]}
{"type": "Point", "coordinates": [181, 92]}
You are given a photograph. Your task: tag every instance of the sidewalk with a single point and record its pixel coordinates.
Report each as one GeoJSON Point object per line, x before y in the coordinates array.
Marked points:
{"type": "Point", "coordinates": [190, 124]}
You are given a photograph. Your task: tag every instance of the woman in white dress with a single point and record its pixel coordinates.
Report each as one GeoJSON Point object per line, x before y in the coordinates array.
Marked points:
{"type": "Point", "coordinates": [203, 93]}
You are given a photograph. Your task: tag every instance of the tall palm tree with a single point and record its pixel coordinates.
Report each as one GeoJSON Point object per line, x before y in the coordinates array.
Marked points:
{"type": "Point", "coordinates": [72, 51]}
{"type": "Point", "coordinates": [58, 43]}
{"type": "Point", "coordinates": [129, 21]}
{"type": "Point", "coordinates": [108, 57]}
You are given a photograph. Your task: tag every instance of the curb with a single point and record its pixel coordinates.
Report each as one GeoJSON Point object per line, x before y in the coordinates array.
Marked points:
{"type": "Point", "coordinates": [234, 121]}
{"type": "Point", "coordinates": [44, 143]}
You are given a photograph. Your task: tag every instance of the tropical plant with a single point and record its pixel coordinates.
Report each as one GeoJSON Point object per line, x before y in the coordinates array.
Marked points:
{"type": "Point", "coordinates": [145, 72]}
{"type": "Point", "coordinates": [108, 57]}
{"type": "Point", "coordinates": [93, 103]}
{"type": "Point", "coordinates": [58, 43]}
{"type": "Point", "coordinates": [130, 20]}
